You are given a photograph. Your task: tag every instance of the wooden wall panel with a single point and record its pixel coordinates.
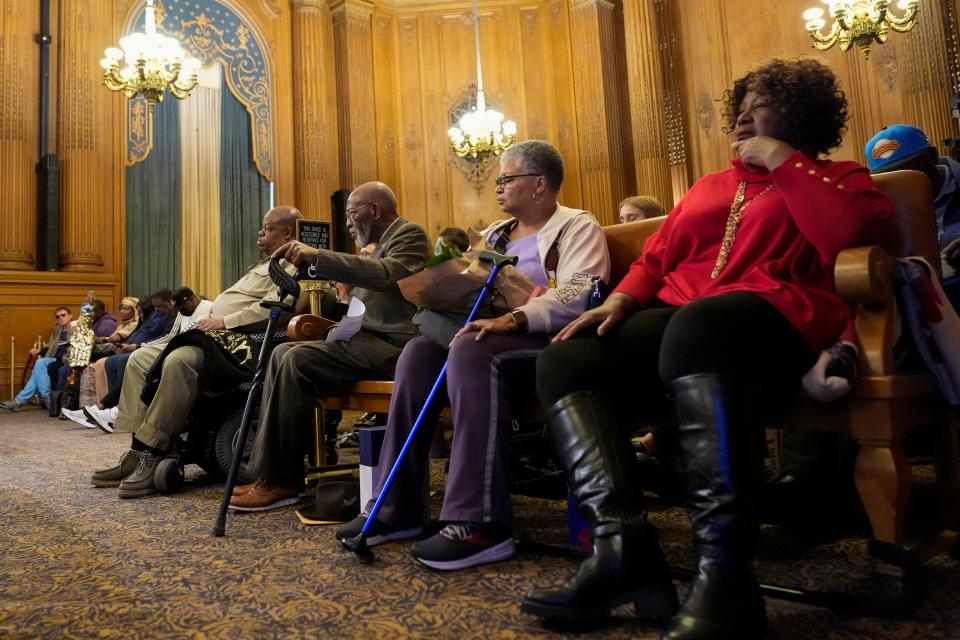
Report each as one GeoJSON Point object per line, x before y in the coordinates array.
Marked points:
{"type": "Point", "coordinates": [19, 132]}
{"type": "Point", "coordinates": [385, 94]}
{"type": "Point", "coordinates": [315, 120]}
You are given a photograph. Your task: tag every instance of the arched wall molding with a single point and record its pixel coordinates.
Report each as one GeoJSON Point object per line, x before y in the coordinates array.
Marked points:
{"type": "Point", "coordinates": [214, 31]}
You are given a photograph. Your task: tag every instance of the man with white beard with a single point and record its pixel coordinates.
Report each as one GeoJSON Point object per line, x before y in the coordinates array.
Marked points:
{"type": "Point", "coordinates": [300, 372]}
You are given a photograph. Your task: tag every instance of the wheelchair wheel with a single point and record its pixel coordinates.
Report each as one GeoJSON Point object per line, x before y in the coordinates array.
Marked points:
{"type": "Point", "coordinates": [227, 434]}
{"type": "Point", "coordinates": [207, 455]}
{"type": "Point", "coordinates": [168, 476]}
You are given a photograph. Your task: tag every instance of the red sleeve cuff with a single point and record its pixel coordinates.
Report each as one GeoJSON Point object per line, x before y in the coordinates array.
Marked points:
{"type": "Point", "coordinates": [638, 285]}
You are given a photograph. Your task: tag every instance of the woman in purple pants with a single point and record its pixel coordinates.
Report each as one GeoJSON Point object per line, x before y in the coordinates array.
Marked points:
{"type": "Point", "coordinates": [490, 362]}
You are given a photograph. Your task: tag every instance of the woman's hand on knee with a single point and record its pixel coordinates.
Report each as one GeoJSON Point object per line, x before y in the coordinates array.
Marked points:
{"type": "Point", "coordinates": [503, 324]}
{"type": "Point", "coordinates": [608, 315]}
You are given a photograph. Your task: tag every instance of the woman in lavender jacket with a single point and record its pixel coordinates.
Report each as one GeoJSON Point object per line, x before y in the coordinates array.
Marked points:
{"type": "Point", "coordinates": [490, 362]}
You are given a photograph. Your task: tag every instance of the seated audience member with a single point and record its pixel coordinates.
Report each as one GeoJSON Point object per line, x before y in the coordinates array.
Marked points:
{"type": "Point", "coordinates": [157, 324]}
{"type": "Point", "coordinates": [490, 362]}
{"type": "Point", "coordinates": [39, 382]}
{"type": "Point", "coordinates": [640, 208]}
{"type": "Point", "coordinates": [155, 428]}
{"type": "Point", "coordinates": [728, 306]}
{"type": "Point", "coordinates": [104, 347]}
{"type": "Point", "coordinates": [109, 372]}
{"type": "Point", "coordinates": [190, 310]}
{"type": "Point", "coordinates": [300, 372]}
{"type": "Point", "coordinates": [904, 147]}
{"type": "Point", "coordinates": [452, 238]}
{"type": "Point", "coordinates": [104, 324]}
{"type": "Point", "coordinates": [129, 321]}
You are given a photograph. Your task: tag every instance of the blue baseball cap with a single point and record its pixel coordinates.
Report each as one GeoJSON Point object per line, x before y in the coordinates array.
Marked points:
{"type": "Point", "coordinates": [894, 144]}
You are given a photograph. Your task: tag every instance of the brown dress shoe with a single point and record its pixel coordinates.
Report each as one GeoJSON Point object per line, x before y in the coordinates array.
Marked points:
{"type": "Point", "coordinates": [265, 496]}
{"type": "Point", "coordinates": [243, 489]}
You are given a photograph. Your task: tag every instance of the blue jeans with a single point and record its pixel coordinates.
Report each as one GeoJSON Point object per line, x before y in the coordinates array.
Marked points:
{"type": "Point", "coordinates": [115, 366]}
{"type": "Point", "coordinates": [39, 382]}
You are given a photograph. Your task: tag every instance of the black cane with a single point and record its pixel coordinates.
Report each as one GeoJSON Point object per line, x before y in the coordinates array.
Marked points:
{"type": "Point", "coordinates": [288, 286]}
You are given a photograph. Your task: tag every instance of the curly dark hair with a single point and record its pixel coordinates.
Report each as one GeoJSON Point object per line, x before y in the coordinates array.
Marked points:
{"type": "Point", "coordinates": [806, 94]}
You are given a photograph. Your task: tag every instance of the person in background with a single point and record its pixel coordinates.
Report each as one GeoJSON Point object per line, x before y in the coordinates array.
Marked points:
{"type": "Point", "coordinates": [640, 208]}
{"type": "Point", "coordinates": [452, 238]}
{"type": "Point", "coordinates": [39, 382]}
{"type": "Point", "coordinates": [104, 324]}
{"type": "Point", "coordinates": [904, 147]}
{"type": "Point", "coordinates": [190, 310]}
{"type": "Point", "coordinates": [129, 320]}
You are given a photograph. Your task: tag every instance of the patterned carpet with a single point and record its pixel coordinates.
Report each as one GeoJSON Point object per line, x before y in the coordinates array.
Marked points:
{"type": "Point", "coordinates": [79, 563]}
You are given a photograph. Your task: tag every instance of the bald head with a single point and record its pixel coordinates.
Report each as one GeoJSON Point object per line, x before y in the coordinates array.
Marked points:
{"type": "Point", "coordinates": [279, 227]}
{"type": "Point", "coordinates": [377, 192]}
{"type": "Point", "coordinates": [371, 209]}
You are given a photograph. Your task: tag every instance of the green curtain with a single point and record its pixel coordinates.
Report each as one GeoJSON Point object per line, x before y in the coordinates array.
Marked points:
{"type": "Point", "coordinates": [153, 208]}
{"type": "Point", "coordinates": [244, 193]}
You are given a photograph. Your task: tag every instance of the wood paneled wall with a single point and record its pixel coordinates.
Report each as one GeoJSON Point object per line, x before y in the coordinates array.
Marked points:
{"type": "Point", "coordinates": [628, 90]}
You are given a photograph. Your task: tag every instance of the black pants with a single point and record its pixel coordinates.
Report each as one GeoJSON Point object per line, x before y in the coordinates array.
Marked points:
{"type": "Point", "coordinates": [733, 333]}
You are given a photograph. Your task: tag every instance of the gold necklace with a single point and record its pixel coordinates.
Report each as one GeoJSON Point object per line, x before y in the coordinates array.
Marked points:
{"type": "Point", "coordinates": [733, 221]}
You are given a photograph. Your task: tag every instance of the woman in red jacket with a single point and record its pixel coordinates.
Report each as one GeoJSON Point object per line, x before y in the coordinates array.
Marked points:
{"type": "Point", "coordinates": [728, 306]}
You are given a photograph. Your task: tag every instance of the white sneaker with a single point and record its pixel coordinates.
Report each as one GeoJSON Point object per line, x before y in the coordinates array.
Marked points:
{"type": "Point", "coordinates": [103, 417]}
{"type": "Point", "coordinates": [78, 416]}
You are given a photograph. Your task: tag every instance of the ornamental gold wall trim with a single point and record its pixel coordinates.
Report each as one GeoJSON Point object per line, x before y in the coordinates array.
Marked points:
{"type": "Point", "coordinates": [213, 32]}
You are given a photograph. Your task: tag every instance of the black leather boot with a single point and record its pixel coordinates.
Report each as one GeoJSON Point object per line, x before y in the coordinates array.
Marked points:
{"type": "Point", "coordinates": [722, 445]}
{"type": "Point", "coordinates": [626, 565]}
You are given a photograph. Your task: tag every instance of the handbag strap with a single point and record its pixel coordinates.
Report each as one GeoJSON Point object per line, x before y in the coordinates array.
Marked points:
{"type": "Point", "coordinates": [503, 236]}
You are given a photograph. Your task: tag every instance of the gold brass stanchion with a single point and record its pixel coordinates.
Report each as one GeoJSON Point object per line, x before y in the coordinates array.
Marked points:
{"type": "Point", "coordinates": [13, 364]}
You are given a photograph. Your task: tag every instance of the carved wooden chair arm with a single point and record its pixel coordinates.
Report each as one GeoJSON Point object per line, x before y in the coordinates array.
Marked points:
{"type": "Point", "coordinates": [865, 278]}
{"type": "Point", "coordinates": [308, 327]}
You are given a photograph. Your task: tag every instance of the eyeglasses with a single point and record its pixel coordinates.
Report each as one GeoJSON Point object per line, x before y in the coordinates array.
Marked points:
{"type": "Point", "coordinates": [352, 213]}
{"type": "Point", "coordinates": [503, 181]}
{"type": "Point", "coordinates": [62, 314]}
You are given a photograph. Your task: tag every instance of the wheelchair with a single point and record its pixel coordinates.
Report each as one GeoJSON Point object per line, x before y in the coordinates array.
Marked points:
{"type": "Point", "coordinates": [211, 431]}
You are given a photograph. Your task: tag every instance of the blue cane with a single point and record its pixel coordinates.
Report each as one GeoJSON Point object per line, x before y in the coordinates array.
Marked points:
{"type": "Point", "coordinates": [359, 544]}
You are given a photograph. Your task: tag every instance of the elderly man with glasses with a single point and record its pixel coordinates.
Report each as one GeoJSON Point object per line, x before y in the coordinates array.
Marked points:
{"type": "Point", "coordinates": [39, 382]}
{"type": "Point", "coordinates": [300, 372]}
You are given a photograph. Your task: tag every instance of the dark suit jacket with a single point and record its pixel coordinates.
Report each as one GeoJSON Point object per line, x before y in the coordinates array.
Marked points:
{"type": "Point", "coordinates": [402, 250]}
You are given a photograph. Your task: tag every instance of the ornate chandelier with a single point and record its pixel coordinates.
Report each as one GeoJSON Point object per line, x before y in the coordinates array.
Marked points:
{"type": "Point", "coordinates": [859, 21]}
{"type": "Point", "coordinates": [482, 132]}
{"type": "Point", "coordinates": [153, 62]}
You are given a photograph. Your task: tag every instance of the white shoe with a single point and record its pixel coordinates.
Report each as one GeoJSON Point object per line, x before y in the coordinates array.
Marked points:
{"type": "Point", "coordinates": [103, 417]}
{"type": "Point", "coordinates": [78, 416]}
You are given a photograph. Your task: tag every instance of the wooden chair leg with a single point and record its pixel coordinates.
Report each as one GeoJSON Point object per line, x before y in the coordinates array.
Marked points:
{"type": "Point", "coordinates": [882, 471]}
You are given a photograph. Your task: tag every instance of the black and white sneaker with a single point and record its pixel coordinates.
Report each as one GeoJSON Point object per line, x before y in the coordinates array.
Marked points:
{"type": "Point", "coordinates": [80, 417]}
{"type": "Point", "coordinates": [103, 417]}
{"type": "Point", "coordinates": [379, 532]}
{"type": "Point", "coordinates": [461, 545]}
